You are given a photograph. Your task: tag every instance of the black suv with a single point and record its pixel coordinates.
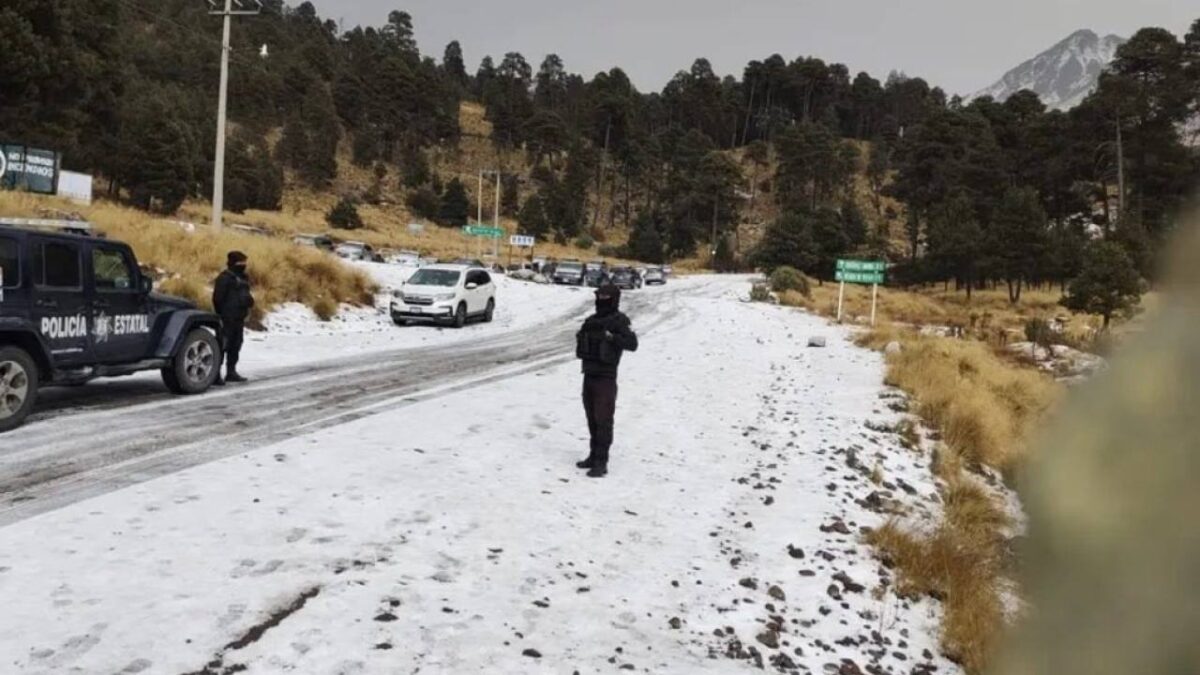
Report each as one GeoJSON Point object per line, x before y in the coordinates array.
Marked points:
{"type": "Point", "coordinates": [75, 308]}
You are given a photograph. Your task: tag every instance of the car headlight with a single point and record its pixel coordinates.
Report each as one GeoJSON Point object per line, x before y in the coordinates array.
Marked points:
{"type": "Point", "coordinates": [399, 295]}
{"type": "Point", "coordinates": [444, 297]}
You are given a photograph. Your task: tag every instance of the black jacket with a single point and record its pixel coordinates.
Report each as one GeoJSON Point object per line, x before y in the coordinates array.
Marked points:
{"type": "Point", "coordinates": [231, 297]}
{"type": "Point", "coordinates": [602, 340]}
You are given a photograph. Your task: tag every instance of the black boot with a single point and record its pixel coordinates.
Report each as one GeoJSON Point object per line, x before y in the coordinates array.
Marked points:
{"type": "Point", "coordinates": [232, 377]}
{"type": "Point", "coordinates": [220, 381]}
{"type": "Point", "coordinates": [598, 472]}
{"type": "Point", "coordinates": [585, 464]}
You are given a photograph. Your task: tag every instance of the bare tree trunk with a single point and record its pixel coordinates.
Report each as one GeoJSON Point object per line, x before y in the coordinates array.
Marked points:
{"type": "Point", "coordinates": [749, 113]}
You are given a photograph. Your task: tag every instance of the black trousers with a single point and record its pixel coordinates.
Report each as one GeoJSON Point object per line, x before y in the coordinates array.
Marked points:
{"type": "Point", "coordinates": [233, 334]}
{"type": "Point", "coordinates": [600, 404]}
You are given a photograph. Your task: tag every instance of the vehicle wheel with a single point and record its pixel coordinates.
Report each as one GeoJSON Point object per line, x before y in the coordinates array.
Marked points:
{"type": "Point", "coordinates": [196, 366]}
{"type": "Point", "coordinates": [460, 315]}
{"type": "Point", "coordinates": [18, 387]}
{"type": "Point", "coordinates": [399, 322]}
{"type": "Point", "coordinates": [490, 313]}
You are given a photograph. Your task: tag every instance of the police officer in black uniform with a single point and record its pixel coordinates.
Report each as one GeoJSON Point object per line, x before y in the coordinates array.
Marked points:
{"type": "Point", "coordinates": [599, 344]}
{"type": "Point", "coordinates": [232, 301]}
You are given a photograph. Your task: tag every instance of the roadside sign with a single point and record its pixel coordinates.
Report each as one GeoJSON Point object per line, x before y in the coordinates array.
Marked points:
{"type": "Point", "coordinates": [861, 266]}
{"type": "Point", "coordinates": [486, 232]}
{"type": "Point", "coordinates": [3, 164]}
{"type": "Point", "coordinates": [871, 278]}
{"type": "Point", "coordinates": [521, 241]}
{"type": "Point", "coordinates": [867, 272]}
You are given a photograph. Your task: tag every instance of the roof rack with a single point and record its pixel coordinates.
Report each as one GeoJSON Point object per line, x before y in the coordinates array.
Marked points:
{"type": "Point", "coordinates": [82, 227]}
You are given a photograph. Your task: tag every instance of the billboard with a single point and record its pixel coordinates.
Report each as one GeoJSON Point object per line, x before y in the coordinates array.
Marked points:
{"type": "Point", "coordinates": [29, 169]}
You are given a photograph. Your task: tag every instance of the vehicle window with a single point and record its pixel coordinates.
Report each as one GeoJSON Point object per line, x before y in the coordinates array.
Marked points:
{"type": "Point", "coordinates": [111, 270]}
{"type": "Point", "coordinates": [60, 266]}
{"type": "Point", "coordinates": [428, 277]}
{"type": "Point", "coordinates": [483, 279]}
{"type": "Point", "coordinates": [9, 270]}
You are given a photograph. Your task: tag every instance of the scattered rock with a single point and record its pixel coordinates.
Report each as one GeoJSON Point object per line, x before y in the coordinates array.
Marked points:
{"type": "Point", "coordinates": [777, 593]}
{"type": "Point", "coordinates": [796, 553]}
{"type": "Point", "coordinates": [817, 341]}
{"type": "Point", "coordinates": [848, 584]}
{"type": "Point", "coordinates": [834, 592]}
{"type": "Point", "coordinates": [676, 622]}
{"type": "Point", "coordinates": [837, 526]}
{"type": "Point", "coordinates": [532, 653]}
{"type": "Point", "coordinates": [768, 638]}
{"type": "Point", "coordinates": [386, 617]}
{"type": "Point", "coordinates": [748, 583]}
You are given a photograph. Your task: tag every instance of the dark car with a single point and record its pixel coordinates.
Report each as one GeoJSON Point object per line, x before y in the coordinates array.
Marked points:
{"type": "Point", "coordinates": [626, 278]}
{"type": "Point", "coordinates": [75, 308]}
{"type": "Point", "coordinates": [595, 275]}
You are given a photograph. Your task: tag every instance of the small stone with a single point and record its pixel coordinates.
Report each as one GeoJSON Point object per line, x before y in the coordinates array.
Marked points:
{"type": "Point", "coordinates": [748, 583]}
{"type": "Point", "coordinates": [834, 592]}
{"type": "Point", "coordinates": [532, 653]}
{"type": "Point", "coordinates": [796, 553]}
{"type": "Point", "coordinates": [386, 617]}
{"type": "Point", "coordinates": [768, 638]}
{"type": "Point", "coordinates": [817, 341]}
{"type": "Point", "coordinates": [777, 593]}
{"type": "Point", "coordinates": [676, 622]}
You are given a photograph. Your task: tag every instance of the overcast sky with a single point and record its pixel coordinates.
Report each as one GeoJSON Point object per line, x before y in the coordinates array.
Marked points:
{"type": "Point", "coordinates": [961, 45]}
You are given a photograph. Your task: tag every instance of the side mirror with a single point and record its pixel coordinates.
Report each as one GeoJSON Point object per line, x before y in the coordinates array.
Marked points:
{"type": "Point", "coordinates": [472, 286]}
{"type": "Point", "coordinates": [145, 285]}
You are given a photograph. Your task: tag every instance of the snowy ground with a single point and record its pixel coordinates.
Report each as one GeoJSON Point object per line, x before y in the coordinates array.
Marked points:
{"type": "Point", "coordinates": [454, 535]}
{"type": "Point", "coordinates": [295, 335]}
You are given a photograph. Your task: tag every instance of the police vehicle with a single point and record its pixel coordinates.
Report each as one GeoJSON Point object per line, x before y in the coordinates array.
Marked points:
{"type": "Point", "coordinates": [76, 307]}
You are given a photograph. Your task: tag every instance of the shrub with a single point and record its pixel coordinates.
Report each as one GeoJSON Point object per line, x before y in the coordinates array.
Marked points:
{"type": "Point", "coordinates": [344, 215]}
{"type": "Point", "coordinates": [760, 293]}
{"type": "Point", "coordinates": [1039, 333]}
{"type": "Point", "coordinates": [425, 203]}
{"type": "Point", "coordinates": [612, 251]}
{"type": "Point", "coordinates": [585, 242]}
{"type": "Point", "coordinates": [789, 279]}
{"type": "Point", "coordinates": [324, 307]}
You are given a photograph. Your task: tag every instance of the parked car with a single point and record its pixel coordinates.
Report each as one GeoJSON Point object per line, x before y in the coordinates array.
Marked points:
{"type": "Point", "coordinates": [317, 241]}
{"type": "Point", "coordinates": [470, 262]}
{"type": "Point", "coordinates": [356, 250]}
{"type": "Point", "coordinates": [445, 294]}
{"type": "Point", "coordinates": [405, 258]}
{"type": "Point", "coordinates": [595, 275]}
{"type": "Point", "coordinates": [626, 277]}
{"type": "Point", "coordinates": [654, 277]}
{"type": "Point", "coordinates": [569, 273]}
{"type": "Point", "coordinates": [668, 271]}
{"type": "Point", "coordinates": [76, 308]}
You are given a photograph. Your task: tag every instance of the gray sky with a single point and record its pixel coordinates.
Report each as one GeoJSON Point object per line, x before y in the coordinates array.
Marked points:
{"type": "Point", "coordinates": [961, 45]}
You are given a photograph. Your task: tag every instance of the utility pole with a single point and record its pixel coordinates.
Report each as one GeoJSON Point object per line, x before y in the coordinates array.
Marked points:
{"type": "Point", "coordinates": [1120, 171]}
{"type": "Point", "coordinates": [232, 8]}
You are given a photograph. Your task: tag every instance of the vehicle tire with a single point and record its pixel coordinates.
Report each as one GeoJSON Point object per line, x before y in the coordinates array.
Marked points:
{"type": "Point", "coordinates": [197, 364]}
{"type": "Point", "coordinates": [399, 322]}
{"type": "Point", "coordinates": [490, 312]}
{"type": "Point", "coordinates": [460, 315]}
{"type": "Point", "coordinates": [18, 387]}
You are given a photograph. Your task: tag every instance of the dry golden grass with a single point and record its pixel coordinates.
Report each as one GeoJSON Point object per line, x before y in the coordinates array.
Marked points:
{"type": "Point", "coordinates": [280, 271]}
{"type": "Point", "coordinates": [984, 406]}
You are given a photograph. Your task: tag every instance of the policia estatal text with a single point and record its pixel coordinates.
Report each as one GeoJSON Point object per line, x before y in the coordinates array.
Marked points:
{"type": "Point", "coordinates": [599, 344]}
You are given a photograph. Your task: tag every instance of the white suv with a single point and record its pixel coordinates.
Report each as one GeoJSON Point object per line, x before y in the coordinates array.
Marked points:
{"type": "Point", "coordinates": [445, 294]}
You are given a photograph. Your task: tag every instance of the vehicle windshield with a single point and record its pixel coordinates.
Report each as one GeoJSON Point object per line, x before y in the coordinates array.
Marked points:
{"type": "Point", "coordinates": [570, 267]}
{"type": "Point", "coordinates": [427, 277]}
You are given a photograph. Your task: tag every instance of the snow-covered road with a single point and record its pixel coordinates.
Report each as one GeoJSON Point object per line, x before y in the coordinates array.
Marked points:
{"type": "Point", "coordinates": [451, 533]}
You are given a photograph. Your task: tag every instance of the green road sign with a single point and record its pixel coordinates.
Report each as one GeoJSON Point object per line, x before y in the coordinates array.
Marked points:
{"type": "Point", "coordinates": [861, 266]}
{"type": "Point", "coordinates": [860, 277]}
{"type": "Point", "coordinates": [481, 231]}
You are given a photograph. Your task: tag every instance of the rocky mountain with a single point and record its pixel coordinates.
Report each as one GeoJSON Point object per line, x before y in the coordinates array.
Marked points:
{"type": "Point", "coordinates": [1064, 74]}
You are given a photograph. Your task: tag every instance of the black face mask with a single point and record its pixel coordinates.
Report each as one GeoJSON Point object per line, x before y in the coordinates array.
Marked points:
{"type": "Point", "coordinates": [605, 305]}
{"type": "Point", "coordinates": [239, 269]}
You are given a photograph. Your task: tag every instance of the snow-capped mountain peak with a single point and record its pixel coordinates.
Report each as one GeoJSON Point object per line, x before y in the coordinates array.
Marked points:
{"type": "Point", "coordinates": [1064, 74]}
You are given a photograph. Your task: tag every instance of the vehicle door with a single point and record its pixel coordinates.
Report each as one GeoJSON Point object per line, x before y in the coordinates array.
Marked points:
{"type": "Point", "coordinates": [121, 321]}
{"type": "Point", "coordinates": [486, 290]}
{"type": "Point", "coordinates": [473, 291]}
{"type": "Point", "coordinates": [60, 303]}
{"type": "Point", "coordinates": [14, 296]}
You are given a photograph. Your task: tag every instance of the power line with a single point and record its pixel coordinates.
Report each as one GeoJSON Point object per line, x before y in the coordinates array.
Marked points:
{"type": "Point", "coordinates": [163, 20]}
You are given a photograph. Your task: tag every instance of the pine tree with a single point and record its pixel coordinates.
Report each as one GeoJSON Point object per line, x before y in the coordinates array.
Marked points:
{"type": "Point", "coordinates": [456, 205]}
{"type": "Point", "coordinates": [1108, 284]}
{"type": "Point", "coordinates": [454, 66]}
{"type": "Point", "coordinates": [344, 215]}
